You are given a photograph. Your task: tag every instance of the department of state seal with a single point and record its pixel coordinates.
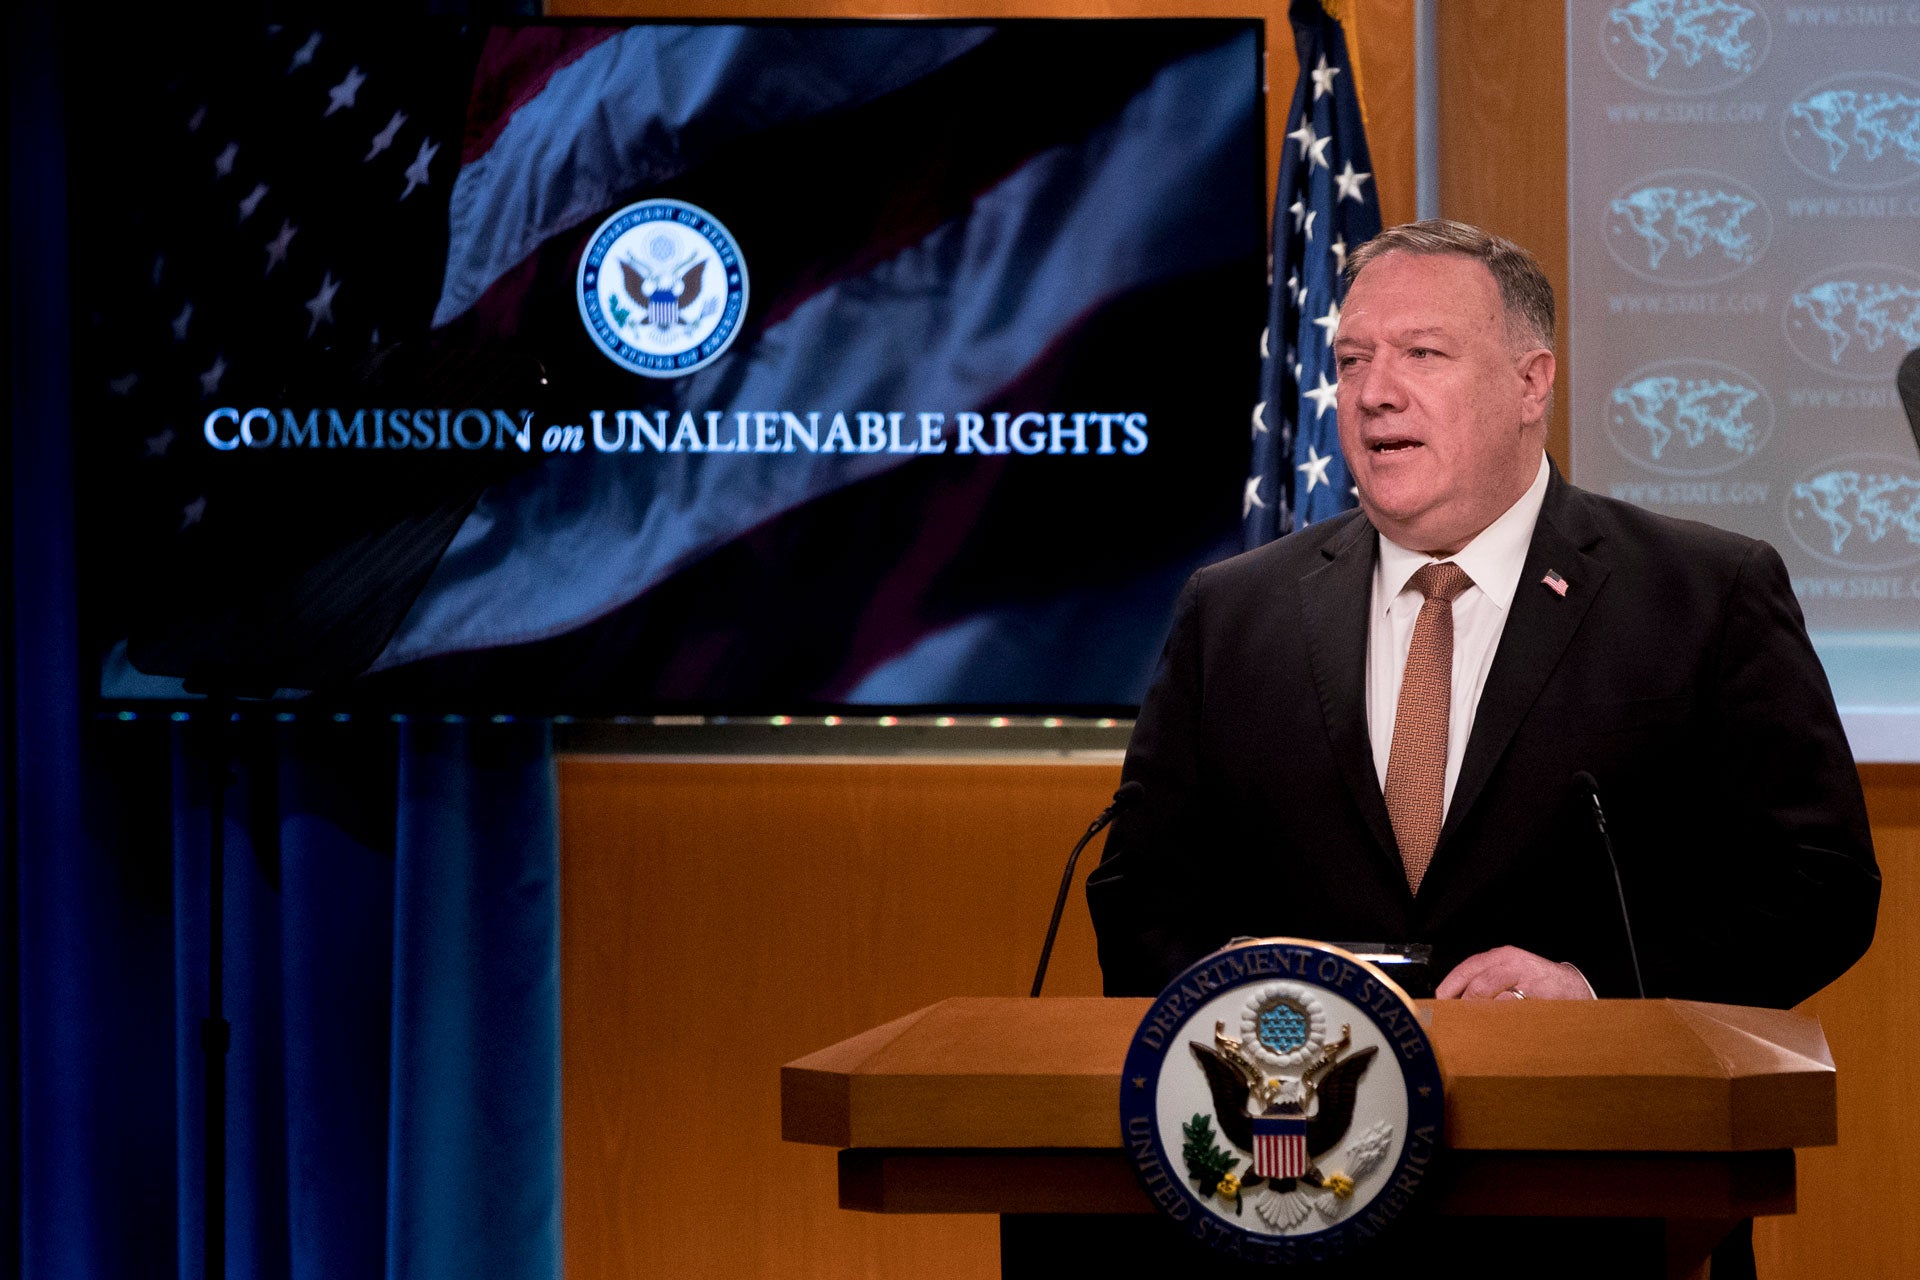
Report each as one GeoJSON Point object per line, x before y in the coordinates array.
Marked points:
{"type": "Point", "coordinates": [1281, 1101]}
{"type": "Point", "coordinates": [662, 288]}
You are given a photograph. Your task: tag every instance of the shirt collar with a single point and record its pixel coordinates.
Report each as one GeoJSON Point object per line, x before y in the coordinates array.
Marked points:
{"type": "Point", "coordinates": [1493, 559]}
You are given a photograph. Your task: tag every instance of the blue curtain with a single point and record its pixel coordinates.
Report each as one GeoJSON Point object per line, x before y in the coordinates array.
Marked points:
{"type": "Point", "coordinates": [392, 981]}
{"type": "Point", "coordinates": [391, 914]}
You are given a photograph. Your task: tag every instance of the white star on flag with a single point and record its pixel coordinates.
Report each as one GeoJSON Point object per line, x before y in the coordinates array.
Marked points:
{"type": "Point", "coordinates": [180, 322]}
{"type": "Point", "coordinates": [1251, 498]}
{"type": "Point", "coordinates": [195, 120]}
{"type": "Point", "coordinates": [341, 95]}
{"type": "Point", "coordinates": [304, 54]}
{"type": "Point", "coordinates": [1326, 205]}
{"type": "Point", "coordinates": [157, 446]}
{"type": "Point", "coordinates": [223, 163]}
{"type": "Point", "coordinates": [191, 513]}
{"type": "Point", "coordinates": [252, 200]}
{"type": "Point", "coordinates": [1260, 417]}
{"type": "Point", "coordinates": [210, 380]}
{"type": "Point", "coordinates": [124, 384]}
{"type": "Point", "coordinates": [277, 247]}
{"type": "Point", "coordinates": [1324, 397]}
{"type": "Point", "coordinates": [1306, 137]}
{"type": "Point", "coordinates": [1263, 344]}
{"type": "Point", "coordinates": [1347, 183]}
{"type": "Point", "coordinates": [1314, 468]}
{"type": "Point", "coordinates": [416, 174]}
{"type": "Point", "coordinates": [1323, 78]}
{"type": "Point", "coordinates": [320, 305]}
{"type": "Point", "coordinates": [384, 139]}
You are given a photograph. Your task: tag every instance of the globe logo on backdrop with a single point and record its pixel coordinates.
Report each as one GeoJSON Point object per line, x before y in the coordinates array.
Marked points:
{"type": "Point", "coordinates": [1689, 417]}
{"type": "Point", "coordinates": [1855, 321]}
{"type": "Point", "coordinates": [662, 288]}
{"type": "Point", "coordinates": [1685, 46]}
{"type": "Point", "coordinates": [1687, 227]}
{"type": "Point", "coordinates": [1859, 512]}
{"type": "Point", "coordinates": [1860, 131]}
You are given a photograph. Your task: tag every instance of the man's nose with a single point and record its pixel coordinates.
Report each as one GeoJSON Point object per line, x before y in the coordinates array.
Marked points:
{"type": "Point", "coordinates": [1380, 389]}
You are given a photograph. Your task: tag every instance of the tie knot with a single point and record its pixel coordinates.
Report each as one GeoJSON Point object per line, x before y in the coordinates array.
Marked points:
{"type": "Point", "coordinates": [1441, 581]}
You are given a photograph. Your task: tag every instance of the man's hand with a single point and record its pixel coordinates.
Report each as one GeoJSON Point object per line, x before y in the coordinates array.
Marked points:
{"type": "Point", "coordinates": [1508, 973]}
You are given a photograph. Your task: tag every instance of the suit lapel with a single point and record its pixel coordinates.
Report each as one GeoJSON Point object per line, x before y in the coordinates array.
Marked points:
{"type": "Point", "coordinates": [1539, 628]}
{"type": "Point", "coordinates": [1335, 598]}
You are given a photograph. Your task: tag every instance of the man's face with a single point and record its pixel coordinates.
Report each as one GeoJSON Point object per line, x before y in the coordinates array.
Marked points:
{"type": "Point", "coordinates": [1442, 418]}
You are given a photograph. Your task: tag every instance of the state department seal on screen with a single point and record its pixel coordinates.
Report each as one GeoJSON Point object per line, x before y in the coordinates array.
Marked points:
{"type": "Point", "coordinates": [1281, 1101]}
{"type": "Point", "coordinates": [662, 288]}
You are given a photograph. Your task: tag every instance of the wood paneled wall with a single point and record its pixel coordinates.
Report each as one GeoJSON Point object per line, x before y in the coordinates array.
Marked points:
{"type": "Point", "coordinates": [1857, 1199]}
{"type": "Point", "coordinates": [719, 918]}
{"type": "Point", "coordinates": [1503, 139]}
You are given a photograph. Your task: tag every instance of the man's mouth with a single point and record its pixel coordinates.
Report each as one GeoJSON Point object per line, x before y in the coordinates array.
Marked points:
{"type": "Point", "coordinates": [1393, 444]}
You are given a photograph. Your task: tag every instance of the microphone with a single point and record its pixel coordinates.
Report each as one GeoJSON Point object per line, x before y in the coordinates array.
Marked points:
{"type": "Point", "coordinates": [1128, 794]}
{"type": "Point", "coordinates": [1908, 381]}
{"type": "Point", "coordinates": [1586, 781]}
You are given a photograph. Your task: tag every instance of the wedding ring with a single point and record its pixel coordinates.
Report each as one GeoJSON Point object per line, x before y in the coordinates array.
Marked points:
{"type": "Point", "coordinates": [1518, 994]}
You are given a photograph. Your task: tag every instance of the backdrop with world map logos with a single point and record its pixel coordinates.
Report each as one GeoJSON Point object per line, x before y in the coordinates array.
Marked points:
{"type": "Point", "coordinates": [1744, 200]}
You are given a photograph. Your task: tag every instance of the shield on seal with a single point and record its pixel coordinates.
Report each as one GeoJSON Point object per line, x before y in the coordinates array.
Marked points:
{"type": "Point", "coordinates": [663, 309]}
{"type": "Point", "coordinates": [1280, 1145]}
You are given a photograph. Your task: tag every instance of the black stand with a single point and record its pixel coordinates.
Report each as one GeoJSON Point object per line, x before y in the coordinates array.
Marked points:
{"type": "Point", "coordinates": [216, 1034]}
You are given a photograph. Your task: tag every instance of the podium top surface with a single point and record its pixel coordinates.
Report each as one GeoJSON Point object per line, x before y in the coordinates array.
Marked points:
{"type": "Point", "coordinates": [1609, 1075]}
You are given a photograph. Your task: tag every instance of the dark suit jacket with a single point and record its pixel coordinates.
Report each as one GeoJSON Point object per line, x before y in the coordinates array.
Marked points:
{"type": "Point", "coordinates": [1676, 670]}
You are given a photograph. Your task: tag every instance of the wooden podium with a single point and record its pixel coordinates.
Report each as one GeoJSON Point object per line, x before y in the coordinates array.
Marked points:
{"type": "Point", "coordinates": [1677, 1116]}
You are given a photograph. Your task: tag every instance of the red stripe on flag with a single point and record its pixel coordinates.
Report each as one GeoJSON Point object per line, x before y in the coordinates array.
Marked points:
{"type": "Point", "coordinates": [515, 64]}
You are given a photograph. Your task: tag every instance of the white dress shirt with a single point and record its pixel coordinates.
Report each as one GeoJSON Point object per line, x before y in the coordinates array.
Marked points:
{"type": "Point", "coordinates": [1493, 560]}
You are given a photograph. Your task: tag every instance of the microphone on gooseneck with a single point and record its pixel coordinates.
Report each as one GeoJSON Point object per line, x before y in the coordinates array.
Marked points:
{"type": "Point", "coordinates": [1587, 783]}
{"type": "Point", "coordinates": [1128, 794]}
{"type": "Point", "coordinates": [1908, 381]}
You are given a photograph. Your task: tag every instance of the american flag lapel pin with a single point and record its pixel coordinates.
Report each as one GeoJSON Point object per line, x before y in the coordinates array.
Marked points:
{"type": "Point", "coordinates": [1555, 583]}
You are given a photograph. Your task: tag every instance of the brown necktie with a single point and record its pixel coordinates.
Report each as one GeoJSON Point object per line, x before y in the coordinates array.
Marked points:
{"type": "Point", "coordinates": [1417, 761]}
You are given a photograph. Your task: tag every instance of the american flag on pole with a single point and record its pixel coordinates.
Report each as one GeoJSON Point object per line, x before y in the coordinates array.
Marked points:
{"type": "Point", "coordinates": [1280, 1145]}
{"type": "Point", "coordinates": [1324, 208]}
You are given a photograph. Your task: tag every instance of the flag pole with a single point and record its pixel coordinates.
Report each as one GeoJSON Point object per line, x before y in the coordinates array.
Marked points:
{"type": "Point", "coordinates": [1426, 108]}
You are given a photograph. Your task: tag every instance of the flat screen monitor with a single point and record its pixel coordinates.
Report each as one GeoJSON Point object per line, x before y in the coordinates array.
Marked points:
{"type": "Point", "coordinates": [606, 369]}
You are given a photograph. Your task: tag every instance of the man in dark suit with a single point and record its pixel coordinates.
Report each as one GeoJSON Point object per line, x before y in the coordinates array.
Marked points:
{"type": "Point", "coordinates": [1370, 730]}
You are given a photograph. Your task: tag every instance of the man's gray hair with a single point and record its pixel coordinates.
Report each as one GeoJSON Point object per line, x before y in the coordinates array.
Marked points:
{"type": "Point", "coordinates": [1525, 292]}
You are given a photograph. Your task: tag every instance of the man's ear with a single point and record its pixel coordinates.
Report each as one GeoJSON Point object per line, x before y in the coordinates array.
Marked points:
{"type": "Point", "coordinates": [1536, 370]}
